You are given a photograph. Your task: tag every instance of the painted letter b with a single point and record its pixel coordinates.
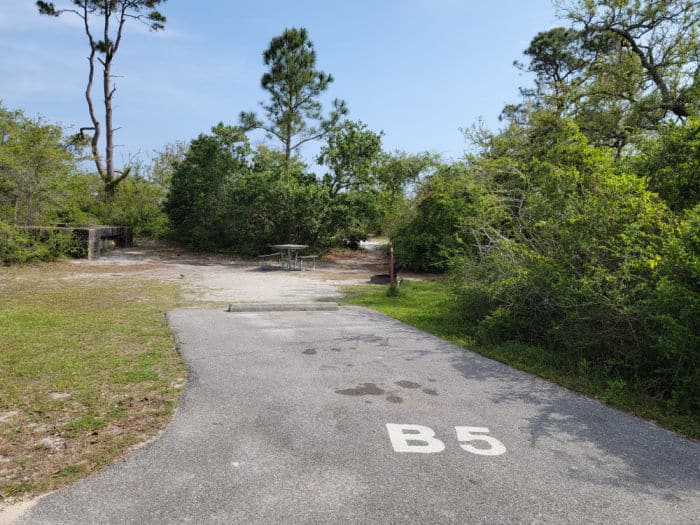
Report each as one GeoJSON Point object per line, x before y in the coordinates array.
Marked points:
{"type": "Point", "coordinates": [414, 438]}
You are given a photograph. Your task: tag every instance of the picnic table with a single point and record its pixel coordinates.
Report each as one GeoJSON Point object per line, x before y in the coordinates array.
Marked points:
{"type": "Point", "coordinates": [290, 255]}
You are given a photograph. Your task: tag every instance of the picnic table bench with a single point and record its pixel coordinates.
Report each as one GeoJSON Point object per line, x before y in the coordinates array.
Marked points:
{"type": "Point", "coordinates": [265, 259]}
{"type": "Point", "coordinates": [311, 258]}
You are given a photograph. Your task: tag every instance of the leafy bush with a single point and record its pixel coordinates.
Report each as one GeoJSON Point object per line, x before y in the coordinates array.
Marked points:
{"type": "Point", "coordinates": [350, 217]}
{"type": "Point", "coordinates": [435, 232]}
{"type": "Point", "coordinates": [20, 247]}
{"type": "Point", "coordinates": [580, 258]}
{"type": "Point", "coordinates": [264, 209]}
{"type": "Point", "coordinates": [671, 163]}
{"type": "Point", "coordinates": [138, 203]}
{"type": "Point", "coordinates": [220, 201]}
{"type": "Point", "coordinates": [197, 201]}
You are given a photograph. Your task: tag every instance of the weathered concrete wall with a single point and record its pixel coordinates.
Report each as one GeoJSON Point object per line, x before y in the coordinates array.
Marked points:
{"type": "Point", "coordinates": [91, 239]}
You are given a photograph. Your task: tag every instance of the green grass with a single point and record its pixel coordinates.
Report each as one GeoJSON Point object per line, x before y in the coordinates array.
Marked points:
{"type": "Point", "coordinates": [428, 306]}
{"type": "Point", "coordinates": [91, 362]}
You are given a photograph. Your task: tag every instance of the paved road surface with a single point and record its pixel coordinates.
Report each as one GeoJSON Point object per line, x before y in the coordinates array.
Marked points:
{"type": "Point", "coordinates": [285, 420]}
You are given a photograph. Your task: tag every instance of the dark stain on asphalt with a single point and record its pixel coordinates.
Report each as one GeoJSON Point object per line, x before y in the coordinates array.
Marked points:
{"type": "Point", "coordinates": [365, 389]}
{"type": "Point", "coordinates": [309, 351]}
{"type": "Point", "coordinates": [407, 384]}
{"type": "Point", "coordinates": [391, 398]}
{"type": "Point", "coordinates": [336, 350]}
{"type": "Point", "coordinates": [432, 380]}
{"type": "Point", "coordinates": [430, 392]}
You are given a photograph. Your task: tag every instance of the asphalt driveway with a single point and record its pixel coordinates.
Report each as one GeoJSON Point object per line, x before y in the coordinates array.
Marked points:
{"type": "Point", "coordinates": [352, 417]}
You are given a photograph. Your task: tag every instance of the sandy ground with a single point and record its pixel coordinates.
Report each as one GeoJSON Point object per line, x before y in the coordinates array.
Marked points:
{"type": "Point", "coordinates": [218, 279]}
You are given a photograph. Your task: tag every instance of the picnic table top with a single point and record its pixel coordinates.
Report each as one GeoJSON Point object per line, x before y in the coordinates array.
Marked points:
{"type": "Point", "coordinates": [290, 246]}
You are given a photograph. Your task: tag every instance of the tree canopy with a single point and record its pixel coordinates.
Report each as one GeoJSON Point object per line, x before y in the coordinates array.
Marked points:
{"type": "Point", "coordinates": [294, 112]}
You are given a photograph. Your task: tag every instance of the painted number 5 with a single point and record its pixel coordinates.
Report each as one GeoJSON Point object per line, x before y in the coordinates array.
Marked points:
{"type": "Point", "coordinates": [476, 434]}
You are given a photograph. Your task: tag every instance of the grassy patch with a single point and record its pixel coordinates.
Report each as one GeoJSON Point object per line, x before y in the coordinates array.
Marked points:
{"type": "Point", "coordinates": [427, 305]}
{"type": "Point", "coordinates": [88, 369]}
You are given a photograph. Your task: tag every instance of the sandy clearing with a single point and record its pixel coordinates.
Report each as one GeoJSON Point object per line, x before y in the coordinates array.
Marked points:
{"type": "Point", "coordinates": [217, 279]}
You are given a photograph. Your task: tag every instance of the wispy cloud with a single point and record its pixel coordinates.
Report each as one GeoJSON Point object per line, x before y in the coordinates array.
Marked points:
{"type": "Point", "coordinates": [29, 68]}
{"type": "Point", "coordinates": [20, 16]}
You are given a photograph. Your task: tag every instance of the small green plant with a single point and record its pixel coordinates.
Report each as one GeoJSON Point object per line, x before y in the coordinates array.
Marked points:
{"type": "Point", "coordinates": [583, 367]}
{"type": "Point", "coordinates": [615, 390]}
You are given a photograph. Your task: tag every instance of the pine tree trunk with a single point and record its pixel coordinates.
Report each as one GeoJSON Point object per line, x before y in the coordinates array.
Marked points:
{"type": "Point", "coordinates": [109, 132]}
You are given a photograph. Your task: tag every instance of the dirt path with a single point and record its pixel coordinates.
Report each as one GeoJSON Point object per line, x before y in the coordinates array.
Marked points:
{"type": "Point", "coordinates": [220, 279]}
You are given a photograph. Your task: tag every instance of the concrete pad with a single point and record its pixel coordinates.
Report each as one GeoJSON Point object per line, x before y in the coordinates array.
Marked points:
{"type": "Point", "coordinates": [283, 307]}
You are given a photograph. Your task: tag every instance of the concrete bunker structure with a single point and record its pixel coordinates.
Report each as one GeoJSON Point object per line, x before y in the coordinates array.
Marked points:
{"type": "Point", "coordinates": [91, 240]}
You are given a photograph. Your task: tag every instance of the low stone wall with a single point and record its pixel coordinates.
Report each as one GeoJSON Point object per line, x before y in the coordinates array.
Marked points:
{"type": "Point", "coordinates": [91, 238]}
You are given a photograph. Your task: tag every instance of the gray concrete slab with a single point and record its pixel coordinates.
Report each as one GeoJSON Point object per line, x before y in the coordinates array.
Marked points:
{"type": "Point", "coordinates": [282, 307]}
{"type": "Point", "coordinates": [285, 421]}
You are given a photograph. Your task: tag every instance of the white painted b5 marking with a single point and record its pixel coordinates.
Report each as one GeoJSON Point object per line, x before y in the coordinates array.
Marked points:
{"type": "Point", "coordinates": [419, 439]}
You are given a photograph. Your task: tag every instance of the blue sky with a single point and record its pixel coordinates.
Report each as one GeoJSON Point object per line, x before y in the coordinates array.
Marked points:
{"type": "Point", "coordinates": [417, 69]}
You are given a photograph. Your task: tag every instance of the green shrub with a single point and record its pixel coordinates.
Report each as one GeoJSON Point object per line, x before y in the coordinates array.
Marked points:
{"type": "Point", "coordinates": [671, 163]}
{"type": "Point", "coordinates": [436, 232]}
{"type": "Point", "coordinates": [224, 201]}
{"type": "Point", "coordinates": [138, 203]}
{"type": "Point", "coordinates": [196, 203]}
{"type": "Point", "coordinates": [350, 217]}
{"type": "Point", "coordinates": [581, 259]}
{"type": "Point", "coordinates": [21, 247]}
{"type": "Point", "coordinates": [264, 209]}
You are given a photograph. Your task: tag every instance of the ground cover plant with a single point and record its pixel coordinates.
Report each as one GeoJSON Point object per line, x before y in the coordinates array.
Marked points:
{"type": "Point", "coordinates": [430, 306]}
{"type": "Point", "coordinates": [89, 369]}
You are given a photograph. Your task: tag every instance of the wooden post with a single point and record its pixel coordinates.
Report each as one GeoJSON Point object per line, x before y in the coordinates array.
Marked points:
{"type": "Point", "coordinates": [392, 273]}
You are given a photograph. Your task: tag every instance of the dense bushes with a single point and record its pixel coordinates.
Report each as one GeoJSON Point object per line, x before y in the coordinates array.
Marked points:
{"type": "Point", "coordinates": [265, 209]}
{"type": "Point", "coordinates": [138, 203]}
{"type": "Point", "coordinates": [436, 232]}
{"type": "Point", "coordinates": [591, 254]}
{"type": "Point", "coordinates": [671, 163]}
{"type": "Point", "coordinates": [225, 197]}
{"type": "Point", "coordinates": [20, 247]}
{"type": "Point", "coordinates": [554, 245]}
